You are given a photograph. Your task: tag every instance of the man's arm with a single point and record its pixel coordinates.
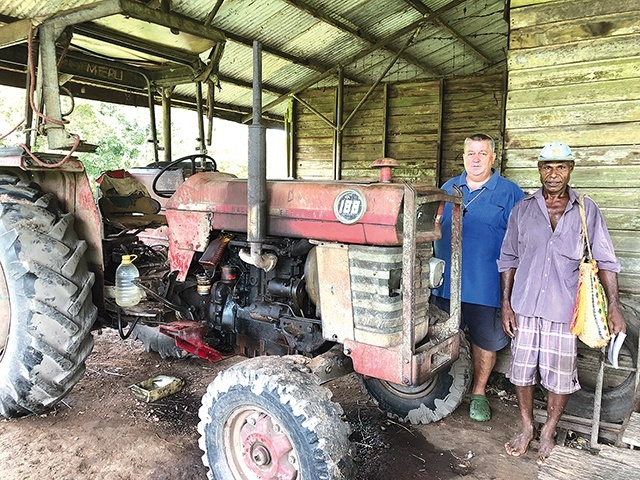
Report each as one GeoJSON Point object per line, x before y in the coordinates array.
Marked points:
{"type": "Point", "coordinates": [615, 318]}
{"type": "Point", "coordinates": [508, 316]}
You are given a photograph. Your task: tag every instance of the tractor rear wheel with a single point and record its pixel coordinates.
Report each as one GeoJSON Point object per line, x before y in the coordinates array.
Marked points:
{"type": "Point", "coordinates": [429, 402]}
{"type": "Point", "coordinates": [46, 309]}
{"type": "Point", "coordinates": [267, 418]}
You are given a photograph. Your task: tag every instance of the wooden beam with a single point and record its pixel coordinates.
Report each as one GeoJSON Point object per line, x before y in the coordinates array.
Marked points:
{"type": "Point", "coordinates": [424, 10]}
{"type": "Point", "coordinates": [245, 84]}
{"type": "Point", "coordinates": [381, 43]}
{"type": "Point", "coordinates": [213, 12]}
{"type": "Point", "coordinates": [357, 33]}
{"type": "Point", "coordinates": [310, 64]}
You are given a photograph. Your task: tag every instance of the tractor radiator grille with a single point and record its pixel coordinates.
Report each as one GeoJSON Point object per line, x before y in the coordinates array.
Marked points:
{"type": "Point", "coordinates": [376, 274]}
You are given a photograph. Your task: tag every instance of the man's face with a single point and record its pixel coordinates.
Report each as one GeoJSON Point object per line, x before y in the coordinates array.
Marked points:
{"type": "Point", "coordinates": [478, 158]}
{"type": "Point", "coordinates": [555, 176]}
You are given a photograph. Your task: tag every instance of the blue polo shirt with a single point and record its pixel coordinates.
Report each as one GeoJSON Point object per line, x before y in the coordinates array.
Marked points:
{"type": "Point", "coordinates": [484, 223]}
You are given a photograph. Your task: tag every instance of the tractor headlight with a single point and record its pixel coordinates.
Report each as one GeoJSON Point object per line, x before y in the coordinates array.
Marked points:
{"type": "Point", "coordinates": [436, 272]}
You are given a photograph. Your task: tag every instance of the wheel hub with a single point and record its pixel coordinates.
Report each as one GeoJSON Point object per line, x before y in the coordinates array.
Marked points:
{"type": "Point", "coordinates": [260, 455]}
{"type": "Point", "coordinates": [266, 449]}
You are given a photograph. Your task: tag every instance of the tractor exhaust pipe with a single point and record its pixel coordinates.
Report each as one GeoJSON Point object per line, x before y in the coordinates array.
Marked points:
{"type": "Point", "coordinates": [257, 176]}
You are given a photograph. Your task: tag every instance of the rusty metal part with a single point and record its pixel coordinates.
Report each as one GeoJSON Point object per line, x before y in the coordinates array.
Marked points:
{"type": "Point", "coordinates": [331, 365]}
{"type": "Point", "coordinates": [213, 253]}
{"type": "Point", "coordinates": [386, 166]}
{"type": "Point", "coordinates": [392, 365]}
{"type": "Point", "coordinates": [189, 336]}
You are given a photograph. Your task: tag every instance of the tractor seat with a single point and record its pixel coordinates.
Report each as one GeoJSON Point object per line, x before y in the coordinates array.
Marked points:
{"type": "Point", "coordinates": [125, 203]}
{"type": "Point", "coordinates": [131, 212]}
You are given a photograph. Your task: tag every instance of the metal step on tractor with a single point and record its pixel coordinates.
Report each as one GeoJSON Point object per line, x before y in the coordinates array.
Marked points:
{"type": "Point", "coordinates": [309, 280]}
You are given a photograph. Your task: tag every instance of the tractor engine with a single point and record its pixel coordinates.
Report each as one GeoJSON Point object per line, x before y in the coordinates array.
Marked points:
{"type": "Point", "coordinates": [265, 312]}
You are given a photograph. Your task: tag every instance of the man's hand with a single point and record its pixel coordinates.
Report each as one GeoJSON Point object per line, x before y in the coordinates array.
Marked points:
{"type": "Point", "coordinates": [508, 315]}
{"type": "Point", "coordinates": [615, 319]}
{"type": "Point", "coordinates": [509, 321]}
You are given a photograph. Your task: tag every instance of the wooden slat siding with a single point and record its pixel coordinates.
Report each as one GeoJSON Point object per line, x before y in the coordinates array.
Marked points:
{"type": "Point", "coordinates": [578, 29]}
{"type": "Point", "coordinates": [608, 135]}
{"type": "Point", "coordinates": [471, 104]}
{"type": "Point", "coordinates": [577, 94]}
{"type": "Point", "coordinates": [420, 126]}
{"type": "Point", "coordinates": [520, 3]}
{"type": "Point", "coordinates": [601, 70]}
{"type": "Point", "coordinates": [601, 177]}
{"type": "Point", "coordinates": [362, 136]}
{"type": "Point", "coordinates": [532, 14]}
{"type": "Point", "coordinates": [598, 156]}
{"type": "Point", "coordinates": [592, 113]}
{"type": "Point", "coordinates": [313, 144]}
{"type": "Point", "coordinates": [413, 130]}
{"type": "Point", "coordinates": [583, 51]}
{"type": "Point", "coordinates": [574, 76]}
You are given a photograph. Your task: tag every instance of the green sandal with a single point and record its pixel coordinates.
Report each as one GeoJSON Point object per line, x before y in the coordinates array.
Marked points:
{"type": "Point", "coordinates": [479, 409]}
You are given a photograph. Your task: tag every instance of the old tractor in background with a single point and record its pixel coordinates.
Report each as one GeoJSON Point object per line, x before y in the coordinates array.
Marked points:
{"type": "Point", "coordinates": [310, 280]}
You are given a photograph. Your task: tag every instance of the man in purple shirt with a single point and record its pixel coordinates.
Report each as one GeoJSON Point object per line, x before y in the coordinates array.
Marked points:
{"type": "Point", "coordinates": [539, 265]}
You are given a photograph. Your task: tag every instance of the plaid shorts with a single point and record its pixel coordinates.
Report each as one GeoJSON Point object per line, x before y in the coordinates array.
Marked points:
{"type": "Point", "coordinates": [545, 349]}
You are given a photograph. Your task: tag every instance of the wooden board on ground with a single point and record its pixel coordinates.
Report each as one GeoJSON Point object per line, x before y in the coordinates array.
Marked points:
{"type": "Point", "coordinates": [570, 463]}
{"type": "Point", "coordinates": [631, 434]}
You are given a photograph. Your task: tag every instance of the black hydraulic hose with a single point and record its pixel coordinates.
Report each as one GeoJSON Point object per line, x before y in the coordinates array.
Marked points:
{"type": "Point", "coordinates": [123, 335]}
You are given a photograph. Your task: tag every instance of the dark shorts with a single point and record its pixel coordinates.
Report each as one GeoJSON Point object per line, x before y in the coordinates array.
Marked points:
{"type": "Point", "coordinates": [483, 323]}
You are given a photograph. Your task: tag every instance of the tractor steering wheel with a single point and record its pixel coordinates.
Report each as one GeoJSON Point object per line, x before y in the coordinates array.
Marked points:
{"type": "Point", "coordinates": [174, 165]}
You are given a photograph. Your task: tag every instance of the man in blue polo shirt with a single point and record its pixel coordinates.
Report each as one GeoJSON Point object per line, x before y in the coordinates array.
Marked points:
{"type": "Point", "coordinates": [487, 202]}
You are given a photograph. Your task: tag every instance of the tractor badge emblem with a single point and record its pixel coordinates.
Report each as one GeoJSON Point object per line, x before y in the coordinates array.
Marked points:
{"type": "Point", "coordinates": [349, 206]}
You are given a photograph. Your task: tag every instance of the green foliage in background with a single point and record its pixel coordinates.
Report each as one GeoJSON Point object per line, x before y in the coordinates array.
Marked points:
{"type": "Point", "coordinates": [121, 140]}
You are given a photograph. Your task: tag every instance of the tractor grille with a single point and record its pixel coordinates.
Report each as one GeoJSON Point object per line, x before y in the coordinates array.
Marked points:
{"type": "Point", "coordinates": [376, 274]}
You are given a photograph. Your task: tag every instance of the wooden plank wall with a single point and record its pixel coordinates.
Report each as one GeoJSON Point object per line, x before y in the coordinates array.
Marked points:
{"type": "Point", "coordinates": [313, 137]}
{"type": "Point", "coordinates": [422, 125]}
{"type": "Point", "coordinates": [574, 76]}
{"type": "Point", "coordinates": [363, 135]}
{"type": "Point", "coordinates": [414, 125]}
{"type": "Point", "coordinates": [401, 121]}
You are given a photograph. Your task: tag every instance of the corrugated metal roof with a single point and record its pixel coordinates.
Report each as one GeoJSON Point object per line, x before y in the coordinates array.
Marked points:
{"type": "Point", "coordinates": [303, 39]}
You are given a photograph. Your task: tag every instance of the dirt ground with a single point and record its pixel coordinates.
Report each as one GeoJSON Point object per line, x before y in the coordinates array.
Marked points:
{"type": "Point", "coordinates": [102, 431]}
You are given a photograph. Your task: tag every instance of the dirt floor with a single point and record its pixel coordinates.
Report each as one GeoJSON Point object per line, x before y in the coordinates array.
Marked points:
{"type": "Point", "coordinates": [102, 431]}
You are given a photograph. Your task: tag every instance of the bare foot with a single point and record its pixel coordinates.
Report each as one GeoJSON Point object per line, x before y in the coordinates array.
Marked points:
{"type": "Point", "coordinates": [547, 442]}
{"type": "Point", "coordinates": [519, 444]}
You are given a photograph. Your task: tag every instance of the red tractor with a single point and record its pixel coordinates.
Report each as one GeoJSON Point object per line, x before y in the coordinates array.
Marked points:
{"type": "Point", "coordinates": [310, 280]}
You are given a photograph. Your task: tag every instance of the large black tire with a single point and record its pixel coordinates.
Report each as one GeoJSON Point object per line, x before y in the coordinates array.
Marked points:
{"type": "Point", "coordinates": [426, 403]}
{"type": "Point", "coordinates": [46, 309]}
{"type": "Point", "coordinates": [265, 418]}
{"type": "Point", "coordinates": [156, 341]}
{"type": "Point", "coordinates": [619, 386]}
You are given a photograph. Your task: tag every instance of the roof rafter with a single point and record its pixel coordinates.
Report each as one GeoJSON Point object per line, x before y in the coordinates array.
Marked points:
{"type": "Point", "coordinates": [357, 33]}
{"type": "Point", "coordinates": [381, 43]}
{"type": "Point", "coordinates": [424, 10]}
{"type": "Point", "coordinates": [311, 64]}
{"type": "Point", "coordinates": [243, 83]}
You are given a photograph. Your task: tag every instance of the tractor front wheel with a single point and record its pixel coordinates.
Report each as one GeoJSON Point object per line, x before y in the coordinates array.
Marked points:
{"type": "Point", "coordinates": [429, 402]}
{"type": "Point", "coordinates": [267, 418]}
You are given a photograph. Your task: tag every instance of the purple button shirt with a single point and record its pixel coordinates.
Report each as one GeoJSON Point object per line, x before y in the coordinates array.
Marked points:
{"type": "Point", "coordinates": [547, 261]}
